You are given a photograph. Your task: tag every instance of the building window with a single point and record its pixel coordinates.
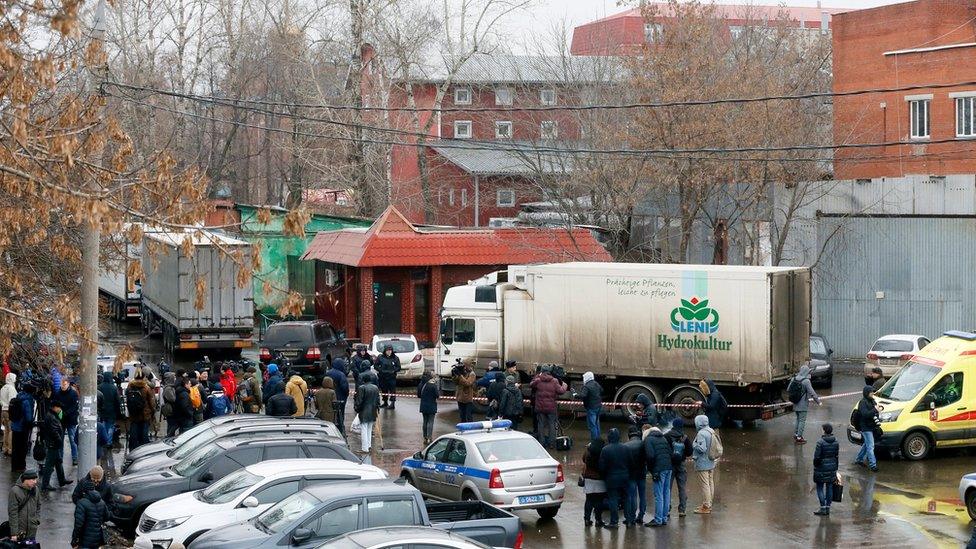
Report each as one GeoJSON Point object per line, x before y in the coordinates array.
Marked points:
{"type": "Point", "coordinates": [450, 197]}
{"type": "Point", "coordinates": [462, 95]}
{"type": "Point", "coordinates": [653, 32]}
{"type": "Point", "coordinates": [464, 197]}
{"type": "Point", "coordinates": [504, 96]}
{"type": "Point", "coordinates": [547, 96]}
{"type": "Point", "coordinates": [505, 198]}
{"type": "Point", "coordinates": [549, 129]}
{"type": "Point", "coordinates": [421, 308]}
{"type": "Point", "coordinates": [966, 116]}
{"type": "Point", "coordinates": [918, 115]}
{"type": "Point", "coordinates": [462, 129]}
{"type": "Point", "coordinates": [503, 130]}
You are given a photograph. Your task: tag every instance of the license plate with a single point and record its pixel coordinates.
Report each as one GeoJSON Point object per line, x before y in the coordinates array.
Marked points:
{"type": "Point", "coordinates": [291, 353]}
{"type": "Point", "coordinates": [889, 362]}
{"type": "Point", "coordinates": [523, 500]}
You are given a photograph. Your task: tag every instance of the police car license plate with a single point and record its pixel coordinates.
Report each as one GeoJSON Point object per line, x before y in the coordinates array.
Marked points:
{"type": "Point", "coordinates": [523, 500]}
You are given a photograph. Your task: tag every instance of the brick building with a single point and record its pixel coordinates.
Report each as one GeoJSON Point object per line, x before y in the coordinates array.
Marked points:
{"type": "Point", "coordinates": [927, 42]}
{"type": "Point", "coordinates": [393, 276]}
{"type": "Point", "coordinates": [483, 110]}
{"type": "Point", "coordinates": [628, 31]}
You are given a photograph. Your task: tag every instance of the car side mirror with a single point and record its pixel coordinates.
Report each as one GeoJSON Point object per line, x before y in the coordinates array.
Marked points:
{"type": "Point", "coordinates": [207, 477]}
{"type": "Point", "coordinates": [301, 536]}
{"type": "Point", "coordinates": [250, 502]}
{"type": "Point", "coordinates": [341, 334]}
{"type": "Point", "coordinates": [830, 352]}
{"type": "Point", "coordinates": [931, 405]}
{"type": "Point", "coordinates": [418, 455]}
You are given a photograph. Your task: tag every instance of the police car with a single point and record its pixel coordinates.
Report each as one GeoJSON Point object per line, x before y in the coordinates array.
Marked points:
{"type": "Point", "coordinates": [488, 461]}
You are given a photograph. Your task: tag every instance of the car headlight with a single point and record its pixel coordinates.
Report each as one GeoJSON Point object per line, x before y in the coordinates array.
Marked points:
{"type": "Point", "coordinates": [170, 523]}
{"type": "Point", "coordinates": [121, 498]}
{"type": "Point", "coordinates": [888, 417]}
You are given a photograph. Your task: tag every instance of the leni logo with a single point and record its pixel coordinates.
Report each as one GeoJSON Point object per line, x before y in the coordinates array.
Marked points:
{"type": "Point", "coordinates": [694, 316]}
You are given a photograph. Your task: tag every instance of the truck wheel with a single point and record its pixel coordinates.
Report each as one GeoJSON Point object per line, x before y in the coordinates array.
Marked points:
{"type": "Point", "coordinates": [687, 396]}
{"type": "Point", "coordinates": [628, 393]}
{"type": "Point", "coordinates": [548, 513]}
{"type": "Point", "coordinates": [916, 446]}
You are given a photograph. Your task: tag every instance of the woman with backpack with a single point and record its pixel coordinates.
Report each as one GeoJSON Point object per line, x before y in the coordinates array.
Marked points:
{"type": "Point", "coordinates": [681, 450]}
{"type": "Point", "coordinates": [826, 460]}
{"type": "Point", "coordinates": [428, 393]}
{"type": "Point", "coordinates": [703, 451]}
{"type": "Point", "coordinates": [141, 406]}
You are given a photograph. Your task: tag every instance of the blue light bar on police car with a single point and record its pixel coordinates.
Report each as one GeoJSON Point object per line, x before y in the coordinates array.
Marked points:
{"type": "Point", "coordinates": [483, 425]}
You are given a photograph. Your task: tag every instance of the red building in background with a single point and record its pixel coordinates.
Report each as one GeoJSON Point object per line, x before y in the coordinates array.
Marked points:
{"type": "Point", "coordinates": [922, 43]}
{"type": "Point", "coordinates": [627, 32]}
{"type": "Point", "coordinates": [392, 277]}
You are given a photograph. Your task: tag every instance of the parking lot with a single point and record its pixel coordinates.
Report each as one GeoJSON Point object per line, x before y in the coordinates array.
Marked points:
{"type": "Point", "coordinates": [764, 487]}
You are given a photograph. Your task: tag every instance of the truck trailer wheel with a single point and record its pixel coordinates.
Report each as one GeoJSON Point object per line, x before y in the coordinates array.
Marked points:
{"type": "Point", "coordinates": [686, 395]}
{"type": "Point", "coordinates": [628, 393]}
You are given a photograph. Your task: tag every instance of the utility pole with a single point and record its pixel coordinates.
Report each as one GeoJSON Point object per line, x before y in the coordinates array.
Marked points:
{"type": "Point", "coordinates": [88, 383]}
{"type": "Point", "coordinates": [366, 198]}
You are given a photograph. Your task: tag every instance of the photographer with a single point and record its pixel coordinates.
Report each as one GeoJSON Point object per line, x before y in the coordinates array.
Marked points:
{"type": "Point", "coordinates": [464, 378]}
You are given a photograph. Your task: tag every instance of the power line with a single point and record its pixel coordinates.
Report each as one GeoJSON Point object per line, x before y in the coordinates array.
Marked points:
{"type": "Point", "coordinates": [546, 108]}
{"type": "Point", "coordinates": [465, 144]}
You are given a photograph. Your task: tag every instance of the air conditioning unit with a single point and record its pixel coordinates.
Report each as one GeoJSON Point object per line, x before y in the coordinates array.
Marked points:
{"type": "Point", "coordinates": [331, 277]}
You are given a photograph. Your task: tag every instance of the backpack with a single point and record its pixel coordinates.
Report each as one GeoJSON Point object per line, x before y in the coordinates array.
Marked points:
{"type": "Point", "coordinates": [16, 411]}
{"type": "Point", "coordinates": [218, 405]}
{"type": "Point", "coordinates": [195, 399]}
{"type": "Point", "coordinates": [678, 449]}
{"type": "Point", "coordinates": [715, 449]}
{"type": "Point", "coordinates": [856, 419]}
{"type": "Point", "coordinates": [135, 401]}
{"type": "Point", "coordinates": [244, 393]}
{"type": "Point", "coordinates": [794, 391]}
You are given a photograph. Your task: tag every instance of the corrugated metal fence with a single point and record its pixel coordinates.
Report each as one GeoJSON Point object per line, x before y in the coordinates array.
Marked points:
{"type": "Point", "coordinates": [884, 275]}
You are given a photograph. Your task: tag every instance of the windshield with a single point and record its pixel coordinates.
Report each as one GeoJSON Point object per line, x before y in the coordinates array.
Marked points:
{"type": "Point", "coordinates": [229, 487]}
{"type": "Point", "coordinates": [282, 335]}
{"type": "Point", "coordinates": [192, 463]}
{"type": "Point", "coordinates": [278, 517]}
{"type": "Point", "coordinates": [187, 435]}
{"type": "Point", "coordinates": [818, 347]}
{"type": "Point", "coordinates": [191, 445]}
{"type": "Point", "coordinates": [399, 345]}
{"type": "Point", "coordinates": [893, 346]}
{"type": "Point", "coordinates": [512, 449]}
{"type": "Point", "coordinates": [908, 382]}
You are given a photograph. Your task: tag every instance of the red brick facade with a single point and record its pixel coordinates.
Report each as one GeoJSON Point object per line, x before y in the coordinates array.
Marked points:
{"type": "Point", "coordinates": [911, 44]}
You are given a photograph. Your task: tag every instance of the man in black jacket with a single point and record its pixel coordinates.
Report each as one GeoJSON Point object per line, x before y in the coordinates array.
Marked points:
{"type": "Point", "coordinates": [615, 462]}
{"type": "Point", "coordinates": [94, 480]}
{"type": "Point", "coordinates": [387, 366]}
{"type": "Point", "coordinates": [109, 408]}
{"type": "Point", "coordinates": [281, 405]}
{"type": "Point", "coordinates": [494, 394]}
{"type": "Point", "coordinates": [52, 435]}
{"type": "Point", "coordinates": [637, 485]}
{"type": "Point", "coordinates": [90, 514]}
{"type": "Point", "coordinates": [657, 452]}
{"type": "Point", "coordinates": [183, 409]}
{"type": "Point", "coordinates": [679, 444]}
{"type": "Point", "coordinates": [592, 397]}
{"type": "Point", "coordinates": [867, 424]}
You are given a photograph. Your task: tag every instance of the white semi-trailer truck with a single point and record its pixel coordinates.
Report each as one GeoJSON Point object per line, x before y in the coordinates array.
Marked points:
{"type": "Point", "coordinates": [169, 291]}
{"type": "Point", "coordinates": [641, 328]}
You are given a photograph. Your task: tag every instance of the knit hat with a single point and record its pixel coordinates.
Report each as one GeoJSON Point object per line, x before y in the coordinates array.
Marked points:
{"type": "Point", "coordinates": [28, 474]}
{"type": "Point", "coordinates": [509, 379]}
{"type": "Point", "coordinates": [272, 368]}
{"type": "Point", "coordinates": [678, 423]}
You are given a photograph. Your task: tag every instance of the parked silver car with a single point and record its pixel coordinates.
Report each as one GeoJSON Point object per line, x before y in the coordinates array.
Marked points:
{"type": "Point", "coordinates": [489, 462]}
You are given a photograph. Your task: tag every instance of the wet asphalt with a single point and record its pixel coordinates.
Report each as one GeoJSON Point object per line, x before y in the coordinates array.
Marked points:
{"type": "Point", "coordinates": [764, 490]}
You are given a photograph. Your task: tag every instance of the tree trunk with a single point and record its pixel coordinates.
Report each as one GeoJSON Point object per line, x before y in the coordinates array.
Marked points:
{"type": "Point", "coordinates": [358, 153]}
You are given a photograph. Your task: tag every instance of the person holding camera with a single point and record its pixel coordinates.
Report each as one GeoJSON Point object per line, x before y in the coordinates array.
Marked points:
{"type": "Point", "coordinates": [464, 378]}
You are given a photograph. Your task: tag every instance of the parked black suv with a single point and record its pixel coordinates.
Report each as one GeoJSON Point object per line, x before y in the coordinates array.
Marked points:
{"type": "Point", "coordinates": [309, 346]}
{"type": "Point", "coordinates": [131, 494]}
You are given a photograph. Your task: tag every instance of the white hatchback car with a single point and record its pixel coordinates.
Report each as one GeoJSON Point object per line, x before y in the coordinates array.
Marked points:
{"type": "Point", "coordinates": [967, 493]}
{"type": "Point", "coordinates": [240, 496]}
{"type": "Point", "coordinates": [405, 347]}
{"type": "Point", "coordinates": [891, 352]}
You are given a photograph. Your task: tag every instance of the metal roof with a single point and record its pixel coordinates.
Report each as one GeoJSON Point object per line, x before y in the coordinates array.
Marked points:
{"type": "Point", "coordinates": [514, 158]}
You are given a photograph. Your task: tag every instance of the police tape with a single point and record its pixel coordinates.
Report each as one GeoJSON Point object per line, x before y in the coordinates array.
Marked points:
{"type": "Point", "coordinates": [579, 403]}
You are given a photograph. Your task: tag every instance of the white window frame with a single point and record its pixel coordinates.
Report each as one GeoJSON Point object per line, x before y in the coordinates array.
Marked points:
{"type": "Point", "coordinates": [458, 124]}
{"type": "Point", "coordinates": [551, 134]}
{"type": "Point", "coordinates": [503, 123]}
{"type": "Point", "coordinates": [464, 198]}
{"type": "Point", "coordinates": [542, 96]}
{"type": "Point", "coordinates": [504, 90]}
{"type": "Point", "coordinates": [505, 203]}
{"type": "Point", "coordinates": [653, 32]}
{"type": "Point", "coordinates": [919, 116]}
{"type": "Point", "coordinates": [450, 197]}
{"type": "Point", "coordinates": [458, 90]}
{"type": "Point", "coordinates": [965, 101]}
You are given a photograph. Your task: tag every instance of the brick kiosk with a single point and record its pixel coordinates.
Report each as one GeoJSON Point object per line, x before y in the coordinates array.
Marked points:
{"type": "Point", "coordinates": [392, 277]}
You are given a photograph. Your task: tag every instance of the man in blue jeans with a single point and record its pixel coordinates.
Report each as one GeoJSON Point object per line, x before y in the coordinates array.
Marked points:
{"type": "Point", "coordinates": [592, 397]}
{"type": "Point", "coordinates": [109, 409]}
{"type": "Point", "coordinates": [867, 421]}
{"type": "Point", "coordinates": [657, 453]}
{"type": "Point", "coordinates": [68, 397]}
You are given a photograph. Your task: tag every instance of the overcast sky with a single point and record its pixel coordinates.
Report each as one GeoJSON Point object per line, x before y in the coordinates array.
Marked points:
{"type": "Point", "coordinates": [545, 15]}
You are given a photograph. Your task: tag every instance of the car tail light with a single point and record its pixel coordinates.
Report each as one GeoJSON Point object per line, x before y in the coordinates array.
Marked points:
{"type": "Point", "coordinates": [495, 480]}
{"type": "Point", "coordinates": [907, 356]}
{"type": "Point", "coordinates": [418, 358]}
{"type": "Point", "coordinates": [872, 356]}
{"type": "Point", "coordinates": [313, 353]}
{"type": "Point", "coordinates": [559, 473]}
{"type": "Point", "coordinates": [265, 354]}
{"type": "Point", "coordinates": [518, 540]}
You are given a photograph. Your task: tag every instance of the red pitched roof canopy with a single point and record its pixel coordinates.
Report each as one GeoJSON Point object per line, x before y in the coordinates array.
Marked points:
{"type": "Point", "coordinates": [393, 242]}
